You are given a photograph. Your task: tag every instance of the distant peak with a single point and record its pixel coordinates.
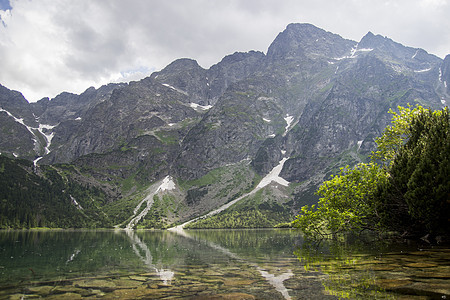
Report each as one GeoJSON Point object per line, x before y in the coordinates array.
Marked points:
{"type": "Point", "coordinates": [304, 28]}
{"type": "Point", "coordinates": [299, 39]}
{"type": "Point", "coordinates": [301, 26]}
{"type": "Point", "coordinates": [239, 56]}
{"type": "Point", "coordinates": [183, 63]}
{"type": "Point", "coordinates": [376, 41]}
{"type": "Point", "coordinates": [371, 38]}
{"type": "Point", "coordinates": [90, 89]}
{"type": "Point", "coordinates": [369, 34]}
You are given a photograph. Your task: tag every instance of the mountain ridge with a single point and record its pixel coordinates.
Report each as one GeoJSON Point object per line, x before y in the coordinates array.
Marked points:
{"type": "Point", "coordinates": [315, 101]}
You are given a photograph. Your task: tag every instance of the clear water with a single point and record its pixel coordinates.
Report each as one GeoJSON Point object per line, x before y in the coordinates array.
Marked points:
{"type": "Point", "coordinates": [214, 264]}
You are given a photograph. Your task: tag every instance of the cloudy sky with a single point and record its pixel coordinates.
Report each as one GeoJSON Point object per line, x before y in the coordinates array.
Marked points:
{"type": "Point", "coordinates": [50, 46]}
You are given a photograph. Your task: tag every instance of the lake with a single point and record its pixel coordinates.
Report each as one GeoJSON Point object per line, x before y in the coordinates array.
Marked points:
{"type": "Point", "coordinates": [214, 264]}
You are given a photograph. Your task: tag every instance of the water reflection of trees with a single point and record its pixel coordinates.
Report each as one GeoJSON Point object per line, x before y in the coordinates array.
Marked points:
{"type": "Point", "coordinates": [354, 265]}
{"type": "Point", "coordinates": [48, 254]}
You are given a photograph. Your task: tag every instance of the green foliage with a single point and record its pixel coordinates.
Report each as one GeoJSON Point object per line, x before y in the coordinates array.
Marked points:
{"type": "Point", "coordinates": [252, 218]}
{"type": "Point", "coordinates": [349, 265]}
{"type": "Point", "coordinates": [211, 177]}
{"type": "Point", "coordinates": [419, 184]}
{"type": "Point", "coordinates": [247, 94]}
{"type": "Point", "coordinates": [395, 135]}
{"type": "Point", "coordinates": [28, 200]}
{"type": "Point", "coordinates": [408, 191]}
{"type": "Point", "coordinates": [256, 211]}
{"type": "Point", "coordinates": [167, 137]}
{"type": "Point", "coordinates": [346, 202]}
{"type": "Point", "coordinates": [121, 210]}
{"type": "Point", "coordinates": [157, 216]}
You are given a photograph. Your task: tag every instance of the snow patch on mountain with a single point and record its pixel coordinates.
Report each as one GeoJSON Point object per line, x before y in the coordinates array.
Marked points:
{"type": "Point", "coordinates": [43, 129]}
{"type": "Point", "coordinates": [167, 184]}
{"type": "Point", "coordinates": [75, 202]}
{"type": "Point", "coordinates": [273, 176]}
{"type": "Point", "coordinates": [356, 50]}
{"type": "Point", "coordinates": [175, 89]}
{"type": "Point", "coordinates": [136, 218]}
{"type": "Point", "coordinates": [422, 71]}
{"type": "Point", "coordinates": [201, 107]}
{"type": "Point", "coordinates": [354, 53]}
{"type": "Point", "coordinates": [18, 120]}
{"type": "Point", "coordinates": [359, 144]}
{"type": "Point", "coordinates": [48, 135]}
{"type": "Point", "coordinates": [289, 119]}
{"type": "Point", "coordinates": [36, 161]}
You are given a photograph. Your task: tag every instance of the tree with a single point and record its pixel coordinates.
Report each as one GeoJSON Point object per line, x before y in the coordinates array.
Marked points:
{"type": "Point", "coordinates": [416, 196]}
{"type": "Point", "coordinates": [346, 203]}
{"type": "Point", "coordinates": [407, 188]}
{"type": "Point", "coordinates": [394, 136]}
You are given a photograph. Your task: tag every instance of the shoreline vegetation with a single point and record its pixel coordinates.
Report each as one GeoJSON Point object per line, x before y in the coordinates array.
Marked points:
{"type": "Point", "coordinates": [405, 187]}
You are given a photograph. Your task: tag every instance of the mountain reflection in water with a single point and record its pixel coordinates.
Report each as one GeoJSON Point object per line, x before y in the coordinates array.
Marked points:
{"type": "Point", "coordinates": [213, 264]}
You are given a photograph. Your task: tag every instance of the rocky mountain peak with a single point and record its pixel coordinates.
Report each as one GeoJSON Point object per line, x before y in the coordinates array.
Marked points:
{"type": "Point", "coordinates": [15, 103]}
{"type": "Point", "coordinates": [384, 46]}
{"type": "Point", "coordinates": [69, 106]}
{"type": "Point", "coordinates": [11, 98]}
{"type": "Point", "coordinates": [371, 40]}
{"type": "Point", "coordinates": [232, 68]}
{"type": "Point", "coordinates": [240, 56]}
{"type": "Point", "coordinates": [447, 60]}
{"type": "Point", "coordinates": [300, 40]}
{"type": "Point", "coordinates": [180, 65]}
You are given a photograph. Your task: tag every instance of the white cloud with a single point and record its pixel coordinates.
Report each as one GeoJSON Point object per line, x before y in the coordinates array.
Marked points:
{"type": "Point", "coordinates": [49, 46]}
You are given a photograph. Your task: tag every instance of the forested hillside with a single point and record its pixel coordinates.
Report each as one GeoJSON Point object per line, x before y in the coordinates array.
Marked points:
{"type": "Point", "coordinates": [47, 199]}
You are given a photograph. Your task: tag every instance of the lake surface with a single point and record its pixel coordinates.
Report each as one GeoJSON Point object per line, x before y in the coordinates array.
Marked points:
{"type": "Point", "coordinates": [214, 264]}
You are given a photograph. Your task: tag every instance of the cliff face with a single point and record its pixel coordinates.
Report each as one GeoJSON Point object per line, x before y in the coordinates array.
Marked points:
{"type": "Point", "coordinates": [444, 78]}
{"type": "Point", "coordinates": [316, 99]}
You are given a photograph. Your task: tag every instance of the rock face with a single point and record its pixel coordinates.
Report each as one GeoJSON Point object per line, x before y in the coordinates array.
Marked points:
{"type": "Point", "coordinates": [315, 98]}
{"type": "Point", "coordinates": [445, 75]}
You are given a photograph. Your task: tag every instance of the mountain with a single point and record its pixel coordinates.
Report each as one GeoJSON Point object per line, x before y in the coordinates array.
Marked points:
{"type": "Point", "coordinates": [313, 103]}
